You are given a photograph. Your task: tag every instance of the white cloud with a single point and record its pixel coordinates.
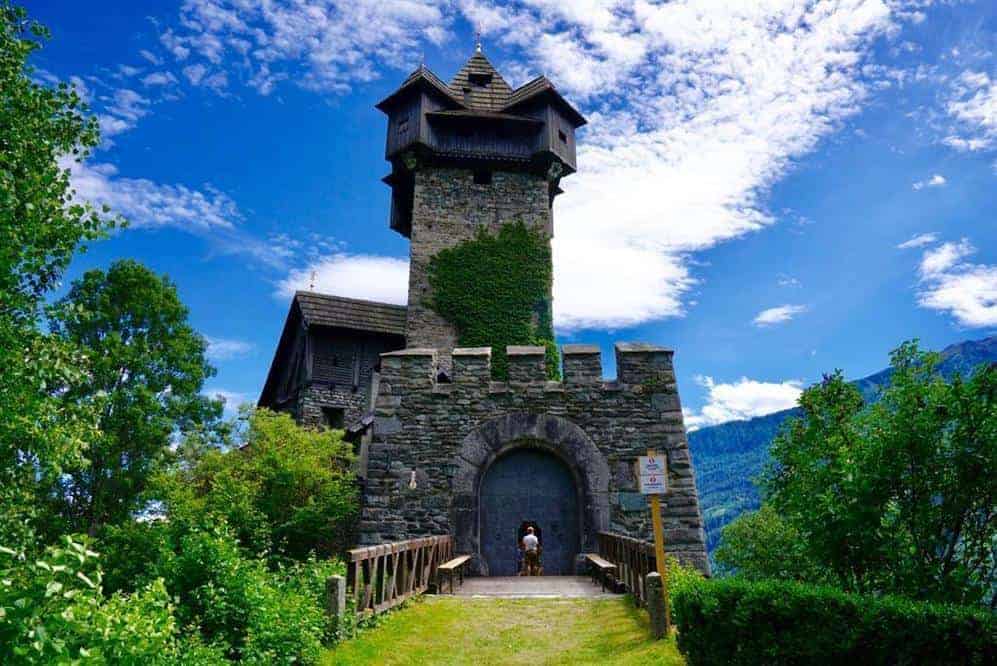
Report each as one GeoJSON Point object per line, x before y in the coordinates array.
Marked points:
{"type": "Point", "coordinates": [936, 180]}
{"type": "Point", "coordinates": [740, 400]}
{"type": "Point", "coordinates": [159, 79]}
{"type": "Point", "coordinates": [383, 279]}
{"type": "Point", "coordinates": [151, 57]}
{"type": "Point", "coordinates": [224, 349]}
{"type": "Point", "coordinates": [195, 73]}
{"type": "Point", "coordinates": [695, 110]}
{"type": "Point", "coordinates": [919, 240]}
{"type": "Point", "coordinates": [940, 259]}
{"type": "Point", "coordinates": [967, 291]}
{"type": "Point", "coordinates": [974, 106]}
{"type": "Point", "coordinates": [778, 315]}
{"type": "Point", "coordinates": [323, 45]}
{"type": "Point", "coordinates": [145, 203]}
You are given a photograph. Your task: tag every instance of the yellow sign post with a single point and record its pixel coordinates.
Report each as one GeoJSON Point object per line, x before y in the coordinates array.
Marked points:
{"type": "Point", "coordinates": [653, 471]}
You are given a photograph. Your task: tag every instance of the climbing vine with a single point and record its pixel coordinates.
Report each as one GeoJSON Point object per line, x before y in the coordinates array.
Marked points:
{"type": "Point", "coordinates": [495, 290]}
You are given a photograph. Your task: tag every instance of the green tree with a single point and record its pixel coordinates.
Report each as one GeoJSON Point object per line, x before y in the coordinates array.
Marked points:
{"type": "Point", "coordinates": [899, 496]}
{"type": "Point", "coordinates": [761, 545]}
{"type": "Point", "coordinates": [146, 368]}
{"type": "Point", "coordinates": [43, 129]}
{"type": "Point", "coordinates": [289, 491]}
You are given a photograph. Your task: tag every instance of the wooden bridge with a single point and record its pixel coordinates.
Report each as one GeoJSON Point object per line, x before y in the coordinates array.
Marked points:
{"type": "Point", "coordinates": [384, 576]}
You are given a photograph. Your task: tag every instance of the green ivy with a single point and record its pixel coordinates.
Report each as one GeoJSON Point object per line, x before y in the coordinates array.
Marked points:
{"type": "Point", "coordinates": [495, 291]}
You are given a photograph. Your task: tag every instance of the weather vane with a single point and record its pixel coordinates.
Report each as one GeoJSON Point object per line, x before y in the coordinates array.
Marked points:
{"type": "Point", "coordinates": [311, 286]}
{"type": "Point", "coordinates": [477, 40]}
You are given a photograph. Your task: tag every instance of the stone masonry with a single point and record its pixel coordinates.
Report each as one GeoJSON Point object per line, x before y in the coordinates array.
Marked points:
{"type": "Point", "coordinates": [447, 434]}
{"type": "Point", "coordinates": [317, 395]}
{"type": "Point", "coordinates": [450, 208]}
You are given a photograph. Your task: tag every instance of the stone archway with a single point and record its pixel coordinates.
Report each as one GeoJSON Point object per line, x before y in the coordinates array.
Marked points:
{"type": "Point", "coordinates": [500, 435]}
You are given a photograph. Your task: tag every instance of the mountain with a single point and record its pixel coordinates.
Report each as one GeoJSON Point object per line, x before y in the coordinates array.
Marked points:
{"type": "Point", "coordinates": [730, 455]}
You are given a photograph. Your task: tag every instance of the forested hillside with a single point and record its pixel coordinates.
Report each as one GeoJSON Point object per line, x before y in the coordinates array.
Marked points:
{"type": "Point", "coordinates": [729, 456]}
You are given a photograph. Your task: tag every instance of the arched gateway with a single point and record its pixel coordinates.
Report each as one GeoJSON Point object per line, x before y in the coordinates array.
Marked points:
{"type": "Point", "coordinates": [434, 445]}
{"type": "Point", "coordinates": [529, 468]}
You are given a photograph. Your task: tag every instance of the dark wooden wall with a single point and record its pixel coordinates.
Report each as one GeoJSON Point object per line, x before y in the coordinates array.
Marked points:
{"type": "Point", "coordinates": [347, 359]}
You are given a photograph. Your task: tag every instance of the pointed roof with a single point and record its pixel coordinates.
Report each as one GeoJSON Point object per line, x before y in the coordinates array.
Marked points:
{"type": "Point", "coordinates": [479, 85]}
{"type": "Point", "coordinates": [425, 78]}
{"type": "Point", "coordinates": [542, 86]}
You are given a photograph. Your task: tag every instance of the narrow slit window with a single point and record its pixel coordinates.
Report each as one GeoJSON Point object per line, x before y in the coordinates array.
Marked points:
{"type": "Point", "coordinates": [562, 136]}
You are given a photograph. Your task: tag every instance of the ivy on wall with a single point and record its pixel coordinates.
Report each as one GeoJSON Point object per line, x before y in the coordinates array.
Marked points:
{"type": "Point", "coordinates": [495, 290]}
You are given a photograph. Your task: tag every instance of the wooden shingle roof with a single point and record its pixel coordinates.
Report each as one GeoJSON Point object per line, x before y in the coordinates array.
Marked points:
{"type": "Point", "coordinates": [421, 77]}
{"type": "Point", "coordinates": [351, 313]}
{"type": "Point", "coordinates": [479, 85]}
{"type": "Point", "coordinates": [542, 86]}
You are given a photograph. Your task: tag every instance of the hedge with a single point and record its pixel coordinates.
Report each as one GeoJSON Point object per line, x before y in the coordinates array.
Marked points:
{"type": "Point", "coordinates": [734, 621]}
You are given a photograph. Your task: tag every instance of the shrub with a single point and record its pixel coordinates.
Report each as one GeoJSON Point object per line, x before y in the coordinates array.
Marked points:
{"type": "Point", "coordinates": [735, 621]}
{"type": "Point", "coordinates": [239, 606]}
{"type": "Point", "coordinates": [52, 610]}
{"type": "Point", "coordinates": [134, 554]}
{"type": "Point", "coordinates": [289, 492]}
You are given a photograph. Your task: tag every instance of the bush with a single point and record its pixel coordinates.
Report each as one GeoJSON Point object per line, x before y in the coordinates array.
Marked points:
{"type": "Point", "coordinates": [735, 621]}
{"type": "Point", "coordinates": [52, 610]}
{"type": "Point", "coordinates": [240, 607]}
{"type": "Point", "coordinates": [289, 492]}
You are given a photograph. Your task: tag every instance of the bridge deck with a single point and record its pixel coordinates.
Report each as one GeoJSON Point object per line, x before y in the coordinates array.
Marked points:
{"type": "Point", "coordinates": [528, 587]}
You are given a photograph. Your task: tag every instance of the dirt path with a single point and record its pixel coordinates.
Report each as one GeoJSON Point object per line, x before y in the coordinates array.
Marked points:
{"type": "Point", "coordinates": [454, 630]}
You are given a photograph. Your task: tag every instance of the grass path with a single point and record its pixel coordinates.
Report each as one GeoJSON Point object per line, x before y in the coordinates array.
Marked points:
{"type": "Point", "coordinates": [449, 630]}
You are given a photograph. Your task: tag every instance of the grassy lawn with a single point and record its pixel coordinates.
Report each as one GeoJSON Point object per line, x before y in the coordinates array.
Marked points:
{"type": "Point", "coordinates": [448, 630]}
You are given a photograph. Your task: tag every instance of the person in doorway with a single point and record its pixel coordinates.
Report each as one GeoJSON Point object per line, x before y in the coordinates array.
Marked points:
{"type": "Point", "coordinates": [531, 553]}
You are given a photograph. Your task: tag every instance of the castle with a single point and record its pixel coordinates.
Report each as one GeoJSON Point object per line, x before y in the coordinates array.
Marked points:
{"type": "Point", "coordinates": [481, 441]}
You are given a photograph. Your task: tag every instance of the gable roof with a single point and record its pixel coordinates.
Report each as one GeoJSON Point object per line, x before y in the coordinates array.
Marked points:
{"type": "Point", "coordinates": [495, 96]}
{"type": "Point", "coordinates": [352, 313]}
{"type": "Point", "coordinates": [542, 86]}
{"type": "Point", "coordinates": [425, 78]}
{"type": "Point", "coordinates": [488, 97]}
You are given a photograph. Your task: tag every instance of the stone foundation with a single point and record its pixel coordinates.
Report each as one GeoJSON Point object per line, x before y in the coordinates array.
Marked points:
{"type": "Point", "coordinates": [448, 434]}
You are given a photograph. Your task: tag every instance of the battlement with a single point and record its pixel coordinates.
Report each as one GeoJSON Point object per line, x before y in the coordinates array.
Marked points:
{"type": "Point", "coordinates": [638, 365]}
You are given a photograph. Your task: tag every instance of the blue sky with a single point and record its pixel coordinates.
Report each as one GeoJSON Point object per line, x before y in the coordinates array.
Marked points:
{"type": "Point", "coordinates": [773, 189]}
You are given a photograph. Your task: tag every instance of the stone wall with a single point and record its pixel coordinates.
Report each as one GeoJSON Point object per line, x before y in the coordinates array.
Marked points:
{"type": "Point", "coordinates": [449, 208]}
{"type": "Point", "coordinates": [316, 395]}
{"type": "Point", "coordinates": [448, 434]}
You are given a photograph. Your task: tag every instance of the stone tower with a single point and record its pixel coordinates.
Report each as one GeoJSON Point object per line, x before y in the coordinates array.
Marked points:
{"type": "Point", "coordinates": [466, 455]}
{"type": "Point", "coordinates": [466, 156]}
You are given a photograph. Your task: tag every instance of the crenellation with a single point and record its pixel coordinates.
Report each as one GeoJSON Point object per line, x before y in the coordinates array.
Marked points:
{"type": "Point", "coordinates": [472, 365]}
{"type": "Point", "coordinates": [643, 364]}
{"type": "Point", "coordinates": [526, 364]}
{"type": "Point", "coordinates": [582, 364]}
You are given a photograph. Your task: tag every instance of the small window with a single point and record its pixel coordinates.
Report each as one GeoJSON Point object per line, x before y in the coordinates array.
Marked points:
{"type": "Point", "coordinates": [333, 417]}
{"type": "Point", "coordinates": [403, 126]}
{"type": "Point", "coordinates": [562, 136]}
{"type": "Point", "coordinates": [479, 78]}
{"type": "Point", "coordinates": [482, 177]}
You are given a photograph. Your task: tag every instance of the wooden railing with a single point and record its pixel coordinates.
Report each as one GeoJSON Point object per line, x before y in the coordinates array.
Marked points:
{"type": "Point", "coordinates": [634, 559]}
{"type": "Point", "coordinates": [383, 576]}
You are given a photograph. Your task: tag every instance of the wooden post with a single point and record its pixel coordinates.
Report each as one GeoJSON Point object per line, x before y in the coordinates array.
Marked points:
{"type": "Point", "coordinates": [659, 549]}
